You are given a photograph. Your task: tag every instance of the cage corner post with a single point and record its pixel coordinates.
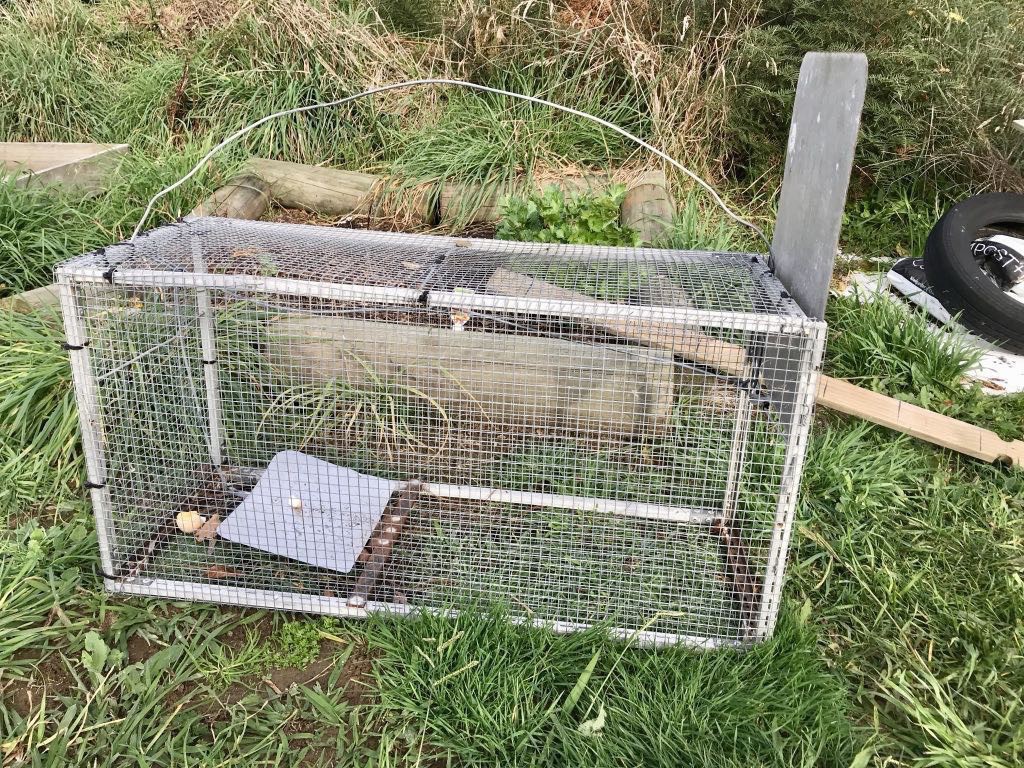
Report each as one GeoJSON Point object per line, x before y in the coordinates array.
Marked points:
{"type": "Point", "coordinates": [84, 380]}
{"type": "Point", "coordinates": [819, 160]}
{"type": "Point", "coordinates": [208, 344]}
{"type": "Point", "coordinates": [799, 409]}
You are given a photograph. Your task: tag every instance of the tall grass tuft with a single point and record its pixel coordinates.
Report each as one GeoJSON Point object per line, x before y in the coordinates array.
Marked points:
{"type": "Point", "coordinates": [40, 455]}
{"type": "Point", "coordinates": [884, 346]}
{"type": "Point", "coordinates": [943, 87]}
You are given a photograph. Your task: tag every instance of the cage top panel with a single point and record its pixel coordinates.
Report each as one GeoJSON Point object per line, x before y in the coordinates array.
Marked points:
{"type": "Point", "coordinates": [720, 282]}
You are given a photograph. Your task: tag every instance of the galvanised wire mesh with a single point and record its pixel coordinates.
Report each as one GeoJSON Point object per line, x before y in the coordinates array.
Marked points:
{"type": "Point", "coordinates": [343, 421]}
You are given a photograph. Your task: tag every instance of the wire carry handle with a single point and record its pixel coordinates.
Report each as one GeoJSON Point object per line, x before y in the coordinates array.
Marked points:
{"type": "Point", "coordinates": [472, 86]}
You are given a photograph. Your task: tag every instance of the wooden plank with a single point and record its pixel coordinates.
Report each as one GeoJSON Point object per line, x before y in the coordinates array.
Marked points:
{"type": "Point", "coordinates": [382, 541]}
{"type": "Point", "coordinates": [330, 191]}
{"type": "Point", "coordinates": [819, 157]}
{"type": "Point", "coordinates": [498, 379]}
{"type": "Point", "coordinates": [244, 197]}
{"type": "Point", "coordinates": [693, 345]}
{"type": "Point", "coordinates": [82, 166]}
{"type": "Point", "coordinates": [648, 207]}
{"type": "Point", "coordinates": [917, 422]}
{"type": "Point", "coordinates": [88, 175]}
{"type": "Point", "coordinates": [36, 156]}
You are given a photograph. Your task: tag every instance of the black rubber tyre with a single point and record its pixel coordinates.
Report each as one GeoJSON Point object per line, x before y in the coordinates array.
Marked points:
{"type": "Point", "coordinates": [958, 280]}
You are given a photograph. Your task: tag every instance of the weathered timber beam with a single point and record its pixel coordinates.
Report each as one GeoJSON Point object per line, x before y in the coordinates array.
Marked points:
{"type": "Point", "coordinates": [82, 166]}
{"type": "Point", "coordinates": [329, 191]}
{"type": "Point", "coordinates": [693, 345]}
{"type": "Point", "coordinates": [245, 197]}
{"type": "Point", "coordinates": [498, 380]}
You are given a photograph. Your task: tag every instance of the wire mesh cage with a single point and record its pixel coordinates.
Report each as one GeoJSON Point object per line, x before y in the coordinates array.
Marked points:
{"type": "Point", "coordinates": [343, 421]}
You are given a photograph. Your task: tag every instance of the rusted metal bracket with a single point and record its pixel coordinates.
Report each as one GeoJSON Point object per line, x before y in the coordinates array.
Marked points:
{"type": "Point", "coordinates": [382, 541]}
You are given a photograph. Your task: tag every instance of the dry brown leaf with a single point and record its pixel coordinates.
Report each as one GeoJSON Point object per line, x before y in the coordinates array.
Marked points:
{"type": "Point", "coordinates": [208, 530]}
{"type": "Point", "coordinates": [220, 572]}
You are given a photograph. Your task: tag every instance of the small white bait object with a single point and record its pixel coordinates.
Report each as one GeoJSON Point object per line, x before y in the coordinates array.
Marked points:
{"type": "Point", "coordinates": [189, 521]}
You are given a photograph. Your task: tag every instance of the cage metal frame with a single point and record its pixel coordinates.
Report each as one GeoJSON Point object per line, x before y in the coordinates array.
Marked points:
{"type": "Point", "coordinates": [103, 269]}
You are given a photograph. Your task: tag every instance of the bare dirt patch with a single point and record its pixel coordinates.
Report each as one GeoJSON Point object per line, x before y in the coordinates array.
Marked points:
{"type": "Point", "coordinates": [355, 679]}
{"type": "Point", "coordinates": [296, 216]}
{"type": "Point", "coordinates": [140, 649]}
{"type": "Point", "coordinates": [50, 676]}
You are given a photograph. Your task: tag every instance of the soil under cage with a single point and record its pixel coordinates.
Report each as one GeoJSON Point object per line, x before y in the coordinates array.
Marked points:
{"type": "Point", "coordinates": [584, 435]}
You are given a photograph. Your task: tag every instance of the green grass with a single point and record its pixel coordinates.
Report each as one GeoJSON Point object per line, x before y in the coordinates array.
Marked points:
{"type": "Point", "coordinates": [891, 224]}
{"type": "Point", "coordinates": [936, 115]}
{"type": "Point", "coordinates": [502, 141]}
{"type": "Point", "coordinates": [908, 561]}
{"type": "Point", "coordinates": [883, 346]}
{"type": "Point", "coordinates": [40, 458]}
{"type": "Point", "coordinates": [446, 698]}
{"type": "Point", "coordinates": [440, 688]}
{"type": "Point", "coordinates": [39, 228]}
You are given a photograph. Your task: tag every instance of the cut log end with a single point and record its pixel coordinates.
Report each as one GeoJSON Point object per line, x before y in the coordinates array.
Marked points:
{"type": "Point", "coordinates": [648, 208]}
{"type": "Point", "coordinates": [245, 197]}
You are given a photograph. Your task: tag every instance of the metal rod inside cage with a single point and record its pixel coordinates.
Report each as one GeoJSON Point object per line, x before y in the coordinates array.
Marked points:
{"type": "Point", "coordinates": [208, 339]}
{"type": "Point", "coordinates": [675, 514]}
{"type": "Point", "coordinates": [663, 512]}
